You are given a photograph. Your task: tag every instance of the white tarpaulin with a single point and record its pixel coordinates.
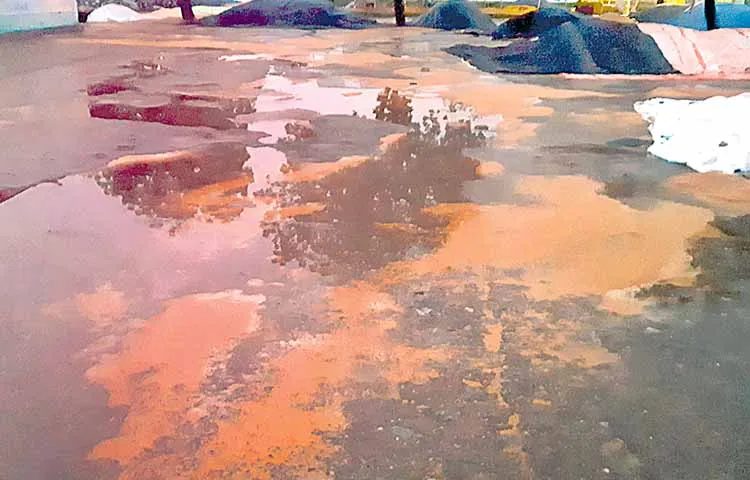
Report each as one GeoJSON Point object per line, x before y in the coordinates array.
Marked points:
{"type": "Point", "coordinates": [724, 52]}
{"type": "Point", "coordinates": [113, 13]}
{"type": "Point", "coordinates": [709, 135]}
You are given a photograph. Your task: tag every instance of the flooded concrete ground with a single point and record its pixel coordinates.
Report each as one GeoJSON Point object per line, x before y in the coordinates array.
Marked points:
{"type": "Point", "coordinates": [286, 254]}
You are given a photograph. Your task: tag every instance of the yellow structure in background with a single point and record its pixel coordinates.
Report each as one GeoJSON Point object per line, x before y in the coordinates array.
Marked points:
{"type": "Point", "coordinates": [600, 7]}
{"type": "Point", "coordinates": [508, 11]}
{"type": "Point", "coordinates": [597, 7]}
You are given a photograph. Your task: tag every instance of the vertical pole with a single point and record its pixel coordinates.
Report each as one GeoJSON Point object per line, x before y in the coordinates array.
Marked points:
{"type": "Point", "coordinates": [709, 8]}
{"type": "Point", "coordinates": [186, 9]}
{"type": "Point", "coordinates": [398, 10]}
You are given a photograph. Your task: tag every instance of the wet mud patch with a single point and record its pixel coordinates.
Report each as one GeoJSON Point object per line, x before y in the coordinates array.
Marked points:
{"type": "Point", "coordinates": [682, 407]}
{"type": "Point", "coordinates": [554, 365]}
{"type": "Point", "coordinates": [670, 403]}
{"type": "Point", "coordinates": [441, 429]}
{"type": "Point", "coordinates": [724, 260]}
{"type": "Point", "coordinates": [565, 427]}
{"type": "Point", "coordinates": [436, 315]}
{"type": "Point", "coordinates": [632, 190]}
{"type": "Point", "coordinates": [507, 401]}
{"type": "Point", "coordinates": [629, 142]}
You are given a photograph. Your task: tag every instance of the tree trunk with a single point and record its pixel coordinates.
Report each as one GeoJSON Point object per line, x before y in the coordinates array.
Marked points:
{"type": "Point", "coordinates": [186, 8]}
{"type": "Point", "coordinates": [398, 10]}
{"type": "Point", "coordinates": [709, 8]}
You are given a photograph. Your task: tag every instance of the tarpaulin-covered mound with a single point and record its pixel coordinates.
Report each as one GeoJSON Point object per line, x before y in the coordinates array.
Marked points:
{"type": "Point", "coordinates": [581, 45]}
{"type": "Point", "coordinates": [727, 16]}
{"type": "Point", "coordinates": [709, 135]}
{"type": "Point", "coordinates": [113, 13]}
{"type": "Point", "coordinates": [287, 13]}
{"type": "Point", "coordinates": [533, 24]}
{"type": "Point", "coordinates": [661, 13]}
{"type": "Point", "coordinates": [456, 15]}
{"type": "Point", "coordinates": [723, 53]}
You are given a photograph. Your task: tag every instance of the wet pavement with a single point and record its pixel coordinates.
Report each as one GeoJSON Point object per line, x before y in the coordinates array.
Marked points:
{"type": "Point", "coordinates": [279, 254]}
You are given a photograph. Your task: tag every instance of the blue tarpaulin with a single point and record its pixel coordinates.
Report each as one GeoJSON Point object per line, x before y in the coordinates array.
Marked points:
{"type": "Point", "coordinates": [533, 24]}
{"type": "Point", "coordinates": [580, 45]}
{"type": "Point", "coordinates": [727, 16]}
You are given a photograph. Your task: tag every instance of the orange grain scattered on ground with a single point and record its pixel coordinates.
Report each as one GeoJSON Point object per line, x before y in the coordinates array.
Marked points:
{"type": "Point", "coordinates": [549, 344]}
{"type": "Point", "coordinates": [625, 122]}
{"type": "Point", "coordinates": [302, 210]}
{"type": "Point", "coordinates": [218, 200]}
{"type": "Point", "coordinates": [622, 302]}
{"type": "Point", "coordinates": [390, 140]}
{"type": "Point", "coordinates": [562, 345]}
{"type": "Point", "coordinates": [490, 169]}
{"type": "Point", "coordinates": [103, 306]}
{"type": "Point", "coordinates": [311, 172]}
{"type": "Point", "coordinates": [357, 59]}
{"type": "Point", "coordinates": [513, 132]}
{"type": "Point", "coordinates": [154, 158]}
{"type": "Point", "coordinates": [409, 77]}
{"type": "Point", "coordinates": [512, 101]}
{"type": "Point", "coordinates": [347, 37]}
{"type": "Point", "coordinates": [572, 242]}
{"type": "Point", "coordinates": [727, 193]}
{"type": "Point", "coordinates": [407, 228]}
{"type": "Point", "coordinates": [162, 364]}
{"type": "Point", "coordinates": [697, 91]}
{"type": "Point", "coordinates": [285, 428]}
{"type": "Point", "coordinates": [515, 449]}
{"type": "Point", "coordinates": [493, 337]}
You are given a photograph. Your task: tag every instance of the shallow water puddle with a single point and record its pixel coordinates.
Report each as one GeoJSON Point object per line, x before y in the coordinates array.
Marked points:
{"type": "Point", "coordinates": [286, 94]}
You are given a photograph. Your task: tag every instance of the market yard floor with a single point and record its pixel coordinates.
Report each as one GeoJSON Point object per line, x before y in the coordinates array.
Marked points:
{"type": "Point", "coordinates": [255, 253]}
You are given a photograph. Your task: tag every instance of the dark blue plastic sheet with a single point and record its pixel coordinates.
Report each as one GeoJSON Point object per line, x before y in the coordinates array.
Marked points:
{"type": "Point", "coordinates": [287, 13]}
{"type": "Point", "coordinates": [579, 45]}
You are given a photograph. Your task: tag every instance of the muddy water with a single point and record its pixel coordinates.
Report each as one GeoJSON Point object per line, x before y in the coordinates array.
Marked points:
{"type": "Point", "coordinates": [285, 254]}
